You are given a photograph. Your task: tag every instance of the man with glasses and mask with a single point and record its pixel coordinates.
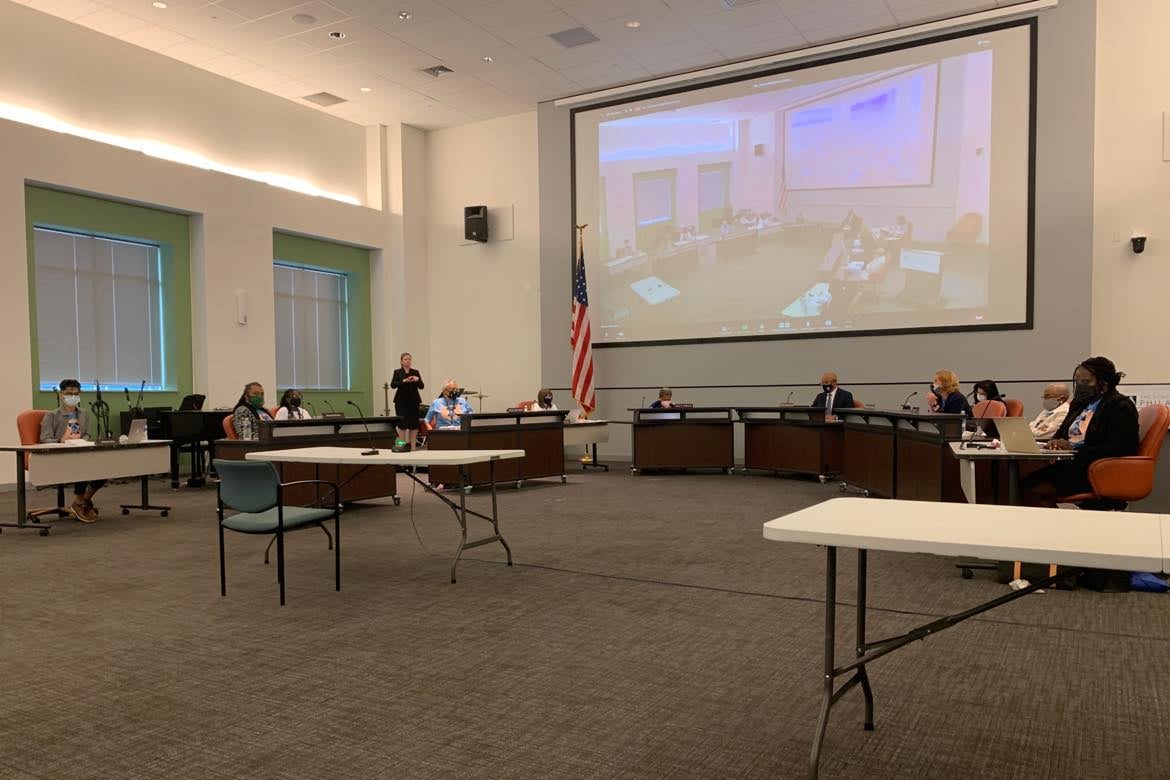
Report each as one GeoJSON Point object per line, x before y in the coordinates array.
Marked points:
{"type": "Point", "coordinates": [448, 409]}
{"type": "Point", "coordinates": [1101, 423]}
{"type": "Point", "coordinates": [1051, 417]}
{"type": "Point", "coordinates": [67, 423]}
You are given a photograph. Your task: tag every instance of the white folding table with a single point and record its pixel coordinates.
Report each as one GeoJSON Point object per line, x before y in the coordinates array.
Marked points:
{"type": "Point", "coordinates": [1125, 540]}
{"type": "Point", "coordinates": [58, 464]}
{"type": "Point", "coordinates": [374, 457]}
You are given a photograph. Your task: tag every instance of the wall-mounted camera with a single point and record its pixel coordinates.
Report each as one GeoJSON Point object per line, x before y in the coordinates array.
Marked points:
{"type": "Point", "coordinates": [1138, 243]}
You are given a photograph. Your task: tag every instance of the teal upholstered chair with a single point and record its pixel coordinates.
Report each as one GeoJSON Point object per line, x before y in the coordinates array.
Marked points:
{"type": "Point", "coordinates": [254, 490]}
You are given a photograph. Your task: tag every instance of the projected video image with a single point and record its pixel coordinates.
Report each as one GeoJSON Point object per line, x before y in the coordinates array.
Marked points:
{"type": "Point", "coordinates": [857, 202]}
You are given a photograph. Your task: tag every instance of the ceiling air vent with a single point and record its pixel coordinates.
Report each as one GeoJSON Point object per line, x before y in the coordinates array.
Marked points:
{"type": "Point", "coordinates": [577, 36]}
{"type": "Point", "coordinates": [324, 99]}
{"type": "Point", "coordinates": [436, 70]}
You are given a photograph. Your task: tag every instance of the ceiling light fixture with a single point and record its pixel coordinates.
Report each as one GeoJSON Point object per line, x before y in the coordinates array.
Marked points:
{"type": "Point", "coordinates": [488, 59]}
{"type": "Point", "coordinates": [405, 16]}
{"type": "Point", "coordinates": [365, 89]}
{"type": "Point", "coordinates": [337, 35]}
{"type": "Point", "coordinates": [305, 19]}
{"type": "Point", "coordinates": [159, 4]}
{"type": "Point", "coordinates": [633, 24]}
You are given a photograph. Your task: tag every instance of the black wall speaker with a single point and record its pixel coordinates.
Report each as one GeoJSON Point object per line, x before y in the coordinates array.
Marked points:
{"type": "Point", "coordinates": [475, 224]}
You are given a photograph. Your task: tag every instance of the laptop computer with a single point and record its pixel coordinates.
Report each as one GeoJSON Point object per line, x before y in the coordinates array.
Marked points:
{"type": "Point", "coordinates": [137, 433]}
{"type": "Point", "coordinates": [1016, 436]}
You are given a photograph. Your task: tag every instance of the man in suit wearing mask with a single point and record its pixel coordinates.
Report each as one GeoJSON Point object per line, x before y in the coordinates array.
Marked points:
{"type": "Point", "coordinates": [832, 397]}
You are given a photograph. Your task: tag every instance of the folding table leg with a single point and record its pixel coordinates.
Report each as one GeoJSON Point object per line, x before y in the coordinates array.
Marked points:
{"type": "Point", "coordinates": [830, 663]}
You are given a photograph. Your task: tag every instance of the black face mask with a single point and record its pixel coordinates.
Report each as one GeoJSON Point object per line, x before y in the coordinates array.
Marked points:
{"type": "Point", "coordinates": [827, 388]}
{"type": "Point", "coordinates": [548, 400]}
{"type": "Point", "coordinates": [1083, 393]}
{"type": "Point", "coordinates": [294, 402]}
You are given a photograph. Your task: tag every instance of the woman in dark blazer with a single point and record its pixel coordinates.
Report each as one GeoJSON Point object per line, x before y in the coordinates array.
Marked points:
{"type": "Point", "coordinates": [945, 395]}
{"type": "Point", "coordinates": [1101, 423]}
{"type": "Point", "coordinates": [407, 382]}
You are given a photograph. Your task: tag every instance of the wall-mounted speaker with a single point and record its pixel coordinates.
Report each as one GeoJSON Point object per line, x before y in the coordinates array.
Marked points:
{"type": "Point", "coordinates": [475, 223]}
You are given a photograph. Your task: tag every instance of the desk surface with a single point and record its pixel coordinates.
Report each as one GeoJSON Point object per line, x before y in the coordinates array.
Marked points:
{"type": "Point", "coordinates": [88, 446]}
{"type": "Point", "coordinates": [352, 455]}
{"type": "Point", "coordinates": [1128, 541]}
{"type": "Point", "coordinates": [999, 453]}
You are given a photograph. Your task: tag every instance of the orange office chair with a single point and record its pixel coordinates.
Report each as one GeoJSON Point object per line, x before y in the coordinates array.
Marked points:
{"type": "Point", "coordinates": [525, 406]}
{"type": "Point", "coordinates": [1117, 481]}
{"type": "Point", "coordinates": [967, 229]}
{"type": "Point", "coordinates": [229, 430]}
{"type": "Point", "coordinates": [858, 404]}
{"type": "Point", "coordinates": [989, 409]}
{"type": "Point", "coordinates": [28, 425]}
{"type": "Point", "coordinates": [1015, 407]}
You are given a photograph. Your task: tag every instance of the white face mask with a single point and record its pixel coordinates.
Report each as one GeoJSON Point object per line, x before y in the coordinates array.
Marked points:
{"type": "Point", "coordinates": [1050, 404]}
{"type": "Point", "coordinates": [980, 397]}
{"type": "Point", "coordinates": [71, 400]}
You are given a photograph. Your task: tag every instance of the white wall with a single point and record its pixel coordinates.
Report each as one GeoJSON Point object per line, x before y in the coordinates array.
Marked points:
{"type": "Point", "coordinates": [1132, 188]}
{"type": "Point", "coordinates": [483, 300]}
{"type": "Point", "coordinates": [90, 79]}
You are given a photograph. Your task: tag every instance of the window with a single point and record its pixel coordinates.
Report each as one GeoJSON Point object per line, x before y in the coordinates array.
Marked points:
{"type": "Point", "coordinates": [312, 328]}
{"type": "Point", "coordinates": [100, 310]}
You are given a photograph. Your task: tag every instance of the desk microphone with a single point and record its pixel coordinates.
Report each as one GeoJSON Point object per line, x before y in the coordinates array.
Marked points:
{"type": "Point", "coordinates": [788, 400]}
{"type": "Point", "coordinates": [312, 408]}
{"type": "Point", "coordinates": [643, 402]}
{"type": "Point", "coordinates": [906, 403]}
{"type": "Point", "coordinates": [326, 402]}
{"type": "Point", "coordinates": [372, 450]}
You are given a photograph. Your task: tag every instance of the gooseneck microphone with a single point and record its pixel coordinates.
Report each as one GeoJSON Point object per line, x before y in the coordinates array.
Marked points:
{"type": "Point", "coordinates": [643, 402]}
{"type": "Point", "coordinates": [372, 450]}
{"type": "Point", "coordinates": [326, 402]}
{"type": "Point", "coordinates": [788, 400]}
{"type": "Point", "coordinates": [312, 408]}
{"type": "Point", "coordinates": [101, 412]}
{"type": "Point", "coordinates": [906, 403]}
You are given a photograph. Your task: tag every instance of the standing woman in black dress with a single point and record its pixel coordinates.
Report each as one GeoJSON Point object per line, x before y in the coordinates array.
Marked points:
{"type": "Point", "coordinates": [407, 382]}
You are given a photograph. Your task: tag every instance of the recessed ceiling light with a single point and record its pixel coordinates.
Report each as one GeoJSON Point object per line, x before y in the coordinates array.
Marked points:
{"type": "Point", "coordinates": [305, 19]}
{"type": "Point", "coordinates": [159, 4]}
{"type": "Point", "coordinates": [633, 24]}
{"type": "Point", "coordinates": [337, 35]}
{"type": "Point", "coordinates": [365, 89]}
{"type": "Point", "coordinates": [405, 16]}
{"type": "Point", "coordinates": [488, 59]}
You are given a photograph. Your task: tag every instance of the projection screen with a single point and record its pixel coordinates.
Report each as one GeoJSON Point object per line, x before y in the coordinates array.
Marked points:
{"type": "Point", "coordinates": [879, 193]}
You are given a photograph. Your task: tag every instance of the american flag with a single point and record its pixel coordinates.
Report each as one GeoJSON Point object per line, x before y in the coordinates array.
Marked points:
{"type": "Point", "coordinates": [580, 337]}
{"type": "Point", "coordinates": [783, 204]}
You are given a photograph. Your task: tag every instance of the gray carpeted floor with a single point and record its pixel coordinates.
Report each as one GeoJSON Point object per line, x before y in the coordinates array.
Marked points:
{"type": "Point", "coordinates": [647, 631]}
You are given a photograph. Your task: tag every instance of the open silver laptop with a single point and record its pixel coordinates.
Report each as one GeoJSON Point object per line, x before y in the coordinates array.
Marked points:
{"type": "Point", "coordinates": [1016, 436]}
{"type": "Point", "coordinates": [137, 432]}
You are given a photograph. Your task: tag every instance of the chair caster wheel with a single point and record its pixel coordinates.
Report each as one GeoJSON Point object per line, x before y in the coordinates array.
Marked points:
{"type": "Point", "coordinates": [865, 493]}
{"type": "Point", "coordinates": [125, 511]}
{"type": "Point", "coordinates": [519, 484]}
{"type": "Point", "coordinates": [163, 513]}
{"type": "Point", "coordinates": [397, 500]}
{"type": "Point", "coordinates": [44, 532]}
{"type": "Point", "coordinates": [467, 490]}
{"type": "Point", "coordinates": [823, 479]}
{"type": "Point", "coordinates": [843, 487]}
{"type": "Point", "coordinates": [564, 479]}
{"type": "Point", "coordinates": [967, 574]}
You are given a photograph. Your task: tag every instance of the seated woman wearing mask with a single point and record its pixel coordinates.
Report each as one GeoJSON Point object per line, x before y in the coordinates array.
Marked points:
{"type": "Point", "coordinates": [944, 395]}
{"type": "Point", "coordinates": [249, 411]}
{"type": "Point", "coordinates": [544, 400]}
{"type": "Point", "coordinates": [290, 406]}
{"type": "Point", "coordinates": [1101, 423]}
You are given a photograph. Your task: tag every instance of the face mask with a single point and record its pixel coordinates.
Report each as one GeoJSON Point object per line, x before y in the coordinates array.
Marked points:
{"type": "Point", "coordinates": [1050, 404]}
{"type": "Point", "coordinates": [980, 397]}
{"type": "Point", "coordinates": [827, 388]}
{"type": "Point", "coordinates": [934, 389]}
{"type": "Point", "coordinates": [294, 402]}
{"type": "Point", "coordinates": [548, 400]}
{"type": "Point", "coordinates": [71, 400]}
{"type": "Point", "coordinates": [1084, 392]}
{"type": "Point", "coordinates": [256, 400]}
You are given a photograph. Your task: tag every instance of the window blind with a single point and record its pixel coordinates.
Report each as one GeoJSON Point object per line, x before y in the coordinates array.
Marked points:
{"type": "Point", "coordinates": [312, 328]}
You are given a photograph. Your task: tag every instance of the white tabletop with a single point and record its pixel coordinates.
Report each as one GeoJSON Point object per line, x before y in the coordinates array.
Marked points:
{"type": "Point", "coordinates": [80, 445]}
{"type": "Point", "coordinates": [999, 453]}
{"type": "Point", "coordinates": [1128, 541]}
{"type": "Point", "coordinates": [353, 455]}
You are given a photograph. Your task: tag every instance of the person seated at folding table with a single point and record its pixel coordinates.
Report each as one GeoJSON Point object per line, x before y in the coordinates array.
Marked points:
{"type": "Point", "coordinates": [249, 411]}
{"type": "Point", "coordinates": [69, 422]}
{"type": "Point", "coordinates": [832, 396]}
{"type": "Point", "coordinates": [290, 406]}
{"type": "Point", "coordinates": [1101, 423]}
{"type": "Point", "coordinates": [1051, 417]}
{"type": "Point", "coordinates": [665, 399]}
{"type": "Point", "coordinates": [448, 409]}
{"type": "Point", "coordinates": [945, 396]}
